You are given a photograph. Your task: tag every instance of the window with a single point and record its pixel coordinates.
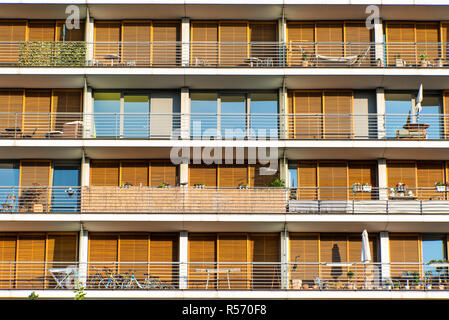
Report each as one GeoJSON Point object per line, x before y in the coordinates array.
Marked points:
{"type": "Point", "coordinates": [135, 122]}
{"type": "Point", "coordinates": [203, 107]}
{"type": "Point", "coordinates": [232, 116]}
{"type": "Point", "coordinates": [264, 119]}
{"type": "Point", "coordinates": [433, 248]}
{"type": "Point", "coordinates": [65, 196]}
{"type": "Point", "coordinates": [107, 114]}
{"type": "Point", "coordinates": [9, 182]}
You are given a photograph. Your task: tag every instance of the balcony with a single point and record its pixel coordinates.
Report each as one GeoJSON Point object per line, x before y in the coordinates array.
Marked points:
{"type": "Point", "coordinates": [239, 126]}
{"type": "Point", "coordinates": [294, 54]}
{"type": "Point", "coordinates": [336, 276]}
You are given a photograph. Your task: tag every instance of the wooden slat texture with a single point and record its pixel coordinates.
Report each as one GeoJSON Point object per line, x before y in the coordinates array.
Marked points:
{"type": "Point", "coordinates": [163, 172]}
{"type": "Point", "coordinates": [199, 174]}
{"type": "Point", "coordinates": [333, 180]}
{"type": "Point", "coordinates": [427, 38]}
{"type": "Point", "coordinates": [402, 34]}
{"type": "Point", "coordinates": [31, 248]}
{"type": "Point", "coordinates": [265, 248]}
{"type": "Point", "coordinates": [233, 43]}
{"type": "Point", "coordinates": [338, 111]}
{"type": "Point", "coordinates": [107, 38]}
{"type": "Point", "coordinates": [307, 180]}
{"type": "Point", "coordinates": [37, 113]}
{"type": "Point", "coordinates": [298, 35]}
{"type": "Point", "coordinates": [202, 248]}
{"type": "Point", "coordinates": [103, 248]}
{"type": "Point", "coordinates": [404, 248]}
{"type": "Point", "coordinates": [11, 102]}
{"type": "Point", "coordinates": [328, 37]}
{"type": "Point", "coordinates": [233, 175]}
{"type": "Point", "coordinates": [260, 177]}
{"type": "Point", "coordinates": [11, 32]}
{"type": "Point", "coordinates": [66, 105]}
{"type": "Point", "coordinates": [262, 35]}
{"type": "Point", "coordinates": [333, 249]}
{"type": "Point", "coordinates": [306, 121]}
{"type": "Point", "coordinates": [401, 171]}
{"type": "Point", "coordinates": [233, 248]}
{"type": "Point", "coordinates": [136, 42]}
{"type": "Point", "coordinates": [360, 36]}
{"type": "Point", "coordinates": [304, 248]}
{"type": "Point", "coordinates": [429, 173]}
{"type": "Point", "coordinates": [70, 34]}
{"type": "Point", "coordinates": [8, 247]}
{"type": "Point", "coordinates": [446, 112]}
{"type": "Point", "coordinates": [205, 35]}
{"type": "Point", "coordinates": [133, 248]}
{"type": "Point", "coordinates": [363, 172]}
{"type": "Point", "coordinates": [134, 173]}
{"type": "Point", "coordinates": [41, 31]}
{"type": "Point", "coordinates": [165, 248]}
{"type": "Point", "coordinates": [104, 172]}
{"type": "Point", "coordinates": [165, 51]}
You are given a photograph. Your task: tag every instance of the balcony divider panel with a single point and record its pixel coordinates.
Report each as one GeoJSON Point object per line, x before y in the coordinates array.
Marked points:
{"type": "Point", "coordinates": [404, 248]}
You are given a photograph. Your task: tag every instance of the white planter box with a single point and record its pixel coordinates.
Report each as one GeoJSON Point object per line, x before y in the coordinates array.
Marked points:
{"type": "Point", "coordinates": [441, 188]}
{"type": "Point", "coordinates": [366, 188]}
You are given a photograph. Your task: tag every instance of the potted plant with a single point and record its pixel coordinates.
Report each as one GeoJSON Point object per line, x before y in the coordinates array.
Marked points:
{"type": "Point", "coordinates": [126, 185]}
{"type": "Point", "coordinates": [305, 61]}
{"type": "Point", "coordinates": [243, 186]}
{"type": "Point", "coordinates": [401, 187]}
{"type": "Point", "coordinates": [199, 185]}
{"type": "Point", "coordinates": [164, 185]}
{"type": "Point", "coordinates": [366, 187]}
{"type": "Point", "coordinates": [388, 285]}
{"type": "Point", "coordinates": [423, 58]}
{"type": "Point", "coordinates": [356, 187]}
{"type": "Point", "coordinates": [350, 275]}
{"type": "Point", "coordinates": [440, 186]}
{"type": "Point", "coordinates": [399, 61]}
{"type": "Point", "coordinates": [277, 183]}
{"type": "Point", "coordinates": [416, 281]}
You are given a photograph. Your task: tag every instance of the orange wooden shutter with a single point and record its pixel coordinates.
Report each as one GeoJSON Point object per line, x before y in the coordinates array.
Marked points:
{"type": "Point", "coordinates": [67, 106]}
{"type": "Point", "coordinates": [427, 38]}
{"type": "Point", "coordinates": [31, 258]}
{"type": "Point", "coordinates": [8, 245]}
{"type": "Point", "coordinates": [233, 254]}
{"type": "Point", "coordinates": [107, 40]}
{"type": "Point", "coordinates": [199, 174]}
{"type": "Point", "coordinates": [401, 37]}
{"type": "Point", "coordinates": [404, 248]}
{"type": "Point", "coordinates": [233, 43]}
{"type": "Point", "coordinates": [333, 180]}
{"type": "Point", "coordinates": [134, 172]}
{"type": "Point", "coordinates": [232, 175]}
{"type": "Point", "coordinates": [165, 248]}
{"type": "Point", "coordinates": [133, 248]}
{"type": "Point", "coordinates": [306, 121]}
{"type": "Point", "coordinates": [61, 248]}
{"type": "Point", "coordinates": [165, 48]}
{"type": "Point", "coordinates": [41, 31]}
{"type": "Point", "coordinates": [338, 114]}
{"type": "Point", "coordinates": [333, 249]}
{"type": "Point", "coordinates": [304, 248]}
{"type": "Point", "coordinates": [329, 38]}
{"type": "Point", "coordinates": [444, 41]}
{"type": "Point", "coordinates": [35, 173]}
{"type": "Point", "coordinates": [446, 113]}
{"type": "Point", "coordinates": [34, 180]}
{"type": "Point", "coordinates": [103, 252]}
{"type": "Point", "coordinates": [401, 171]}
{"type": "Point", "coordinates": [263, 37]}
{"type": "Point", "coordinates": [363, 172]}
{"type": "Point", "coordinates": [359, 38]}
{"type": "Point", "coordinates": [307, 179]}
{"type": "Point", "coordinates": [137, 42]}
{"type": "Point", "coordinates": [70, 34]}
{"type": "Point", "coordinates": [429, 173]}
{"type": "Point", "coordinates": [204, 43]}
{"type": "Point", "coordinates": [260, 176]}
{"type": "Point", "coordinates": [37, 112]}
{"type": "Point", "coordinates": [12, 32]}
{"type": "Point", "coordinates": [264, 248]}
{"type": "Point", "coordinates": [163, 172]}
{"type": "Point", "coordinates": [202, 255]}
{"type": "Point", "coordinates": [11, 102]}
{"type": "Point", "coordinates": [354, 255]}
{"type": "Point", "coordinates": [301, 38]}
{"type": "Point", "coordinates": [104, 173]}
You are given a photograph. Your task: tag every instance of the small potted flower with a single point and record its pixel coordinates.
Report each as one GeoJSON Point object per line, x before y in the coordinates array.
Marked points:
{"type": "Point", "coordinates": [243, 186]}
{"type": "Point", "coordinates": [401, 187]}
{"type": "Point", "coordinates": [399, 61]}
{"type": "Point", "coordinates": [199, 185]}
{"type": "Point", "coordinates": [357, 187]}
{"type": "Point", "coordinates": [126, 185]}
{"type": "Point", "coordinates": [366, 187]}
{"type": "Point", "coordinates": [423, 58]}
{"type": "Point", "coordinates": [440, 186]}
{"type": "Point", "coordinates": [305, 60]}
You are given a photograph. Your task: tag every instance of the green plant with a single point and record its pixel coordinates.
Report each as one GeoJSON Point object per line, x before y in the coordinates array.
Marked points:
{"type": "Point", "coordinates": [33, 296]}
{"type": "Point", "coordinates": [350, 274]}
{"type": "Point", "coordinates": [398, 56]}
{"type": "Point", "coordinates": [304, 57]}
{"type": "Point", "coordinates": [163, 185]}
{"type": "Point", "coordinates": [49, 53]}
{"type": "Point", "coordinates": [277, 183]}
{"type": "Point", "coordinates": [423, 56]}
{"type": "Point", "coordinates": [79, 292]}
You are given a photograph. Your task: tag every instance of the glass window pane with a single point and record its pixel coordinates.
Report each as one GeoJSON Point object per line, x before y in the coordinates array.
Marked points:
{"type": "Point", "coordinates": [264, 118]}
{"type": "Point", "coordinates": [65, 196]}
{"type": "Point", "coordinates": [203, 107]}
{"type": "Point", "coordinates": [135, 118]}
{"type": "Point", "coordinates": [431, 115]}
{"type": "Point", "coordinates": [107, 114]}
{"type": "Point", "coordinates": [433, 248]}
{"type": "Point", "coordinates": [9, 182]}
{"type": "Point", "coordinates": [232, 116]}
{"type": "Point", "coordinates": [397, 107]}
{"type": "Point", "coordinates": [293, 177]}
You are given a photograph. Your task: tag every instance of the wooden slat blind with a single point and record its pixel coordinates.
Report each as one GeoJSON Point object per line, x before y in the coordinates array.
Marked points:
{"type": "Point", "coordinates": [404, 248]}
{"type": "Point", "coordinates": [307, 180]}
{"type": "Point", "coordinates": [165, 35]}
{"type": "Point", "coordinates": [70, 34]}
{"type": "Point", "coordinates": [37, 112]}
{"type": "Point", "coordinates": [134, 172]}
{"type": "Point", "coordinates": [61, 248]}
{"type": "Point", "coordinates": [199, 174]}
{"type": "Point", "coordinates": [8, 244]}
{"type": "Point", "coordinates": [67, 106]}
{"type": "Point", "coordinates": [265, 248]}
{"type": "Point", "coordinates": [446, 112]}
{"type": "Point", "coordinates": [304, 248]}
{"type": "Point", "coordinates": [297, 33]}
{"type": "Point", "coordinates": [165, 248]}
{"type": "Point", "coordinates": [104, 173]}
{"type": "Point", "coordinates": [363, 172]}
{"type": "Point", "coordinates": [329, 34]}
{"type": "Point", "coordinates": [233, 248]}
{"type": "Point", "coordinates": [401, 171]}
{"type": "Point", "coordinates": [136, 42]}
{"type": "Point", "coordinates": [12, 32]}
{"type": "Point", "coordinates": [133, 248]}
{"type": "Point", "coordinates": [333, 180]}
{"type": "Point", "coordinates": [338, 111]}
{"type": "Point", "coordinates": [233, 175]}
{"type": "Point", "coordinates": [205, 34]}
{"type": "Point", "coordinates": [31, 248]}
{"type": "Point", "coordinates": [163, 172]}
{"type": "Point", "coordinates": [35, 173]}
{"type": "Point", "coordinates": [428, 173]}
{"type": "Point", "coordinates": [257, 176]}
{"type": "Point", "coordinates": [427, 38]}
{"type": "Point", "coordinates": [233, 43]}
{"type": "Point", "coordinates": [41, 31]}
{"type": "Point", "coordinates": [262, 35]}
{"type": "Point", "coordinates": [202, 248]}
{"type": "Point", "coordinates": [11, 102]}
{"type": "Point", "coordinates": [360, 35]}
{"type": "Point", "coordinates": [107, 38]}
{"type": "Point", "coordinates": [306, 120]}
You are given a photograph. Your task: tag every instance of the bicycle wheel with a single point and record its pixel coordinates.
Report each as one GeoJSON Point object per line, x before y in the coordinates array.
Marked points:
{"type": "Point", "coordinates": [104, 284]}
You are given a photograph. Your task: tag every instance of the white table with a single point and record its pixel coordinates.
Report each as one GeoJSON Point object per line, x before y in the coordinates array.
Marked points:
{"type": "Point", "coordinates": [224, 270]}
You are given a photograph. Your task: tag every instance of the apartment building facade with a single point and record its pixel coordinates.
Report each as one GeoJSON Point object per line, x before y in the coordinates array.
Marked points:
{"type": "Point", "coordinates": [224, 150]}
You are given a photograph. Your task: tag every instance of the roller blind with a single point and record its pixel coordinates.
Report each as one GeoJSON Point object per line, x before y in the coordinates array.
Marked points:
{"type": "Point", "coordinates": [134, 172]}
{"type": "Point", "coordinates": [104, 173]}
{"type": "Point", "coordinates": [136, 42]}
{"type": "Point", "coordinates": [103, 247]}
{"type": "Point", "coordinates": [199, 174]}
{"type": "Point", "coordinates": [401, 171]}
{"type": "Point", "coordinates": [202, 251]}
{"type": "Point", "coordinates": [31, 248]}
{"type": "Point", "coordinates": [233, 248]}
{"type": "Point", "coordinates": [363, 172]}
{"type": "Point", "coordinates": [35, 173]}
{"type": "Point", "coordinates": [162, 172]}
{"type": "Point", "coordinates": [304, 248]}
{"type": "Point", "coordinates": [427, 38]}
{"type": "Point", "coordinates": [232, 175]}
{"type": "Point", "coordinates": [297, 33]}
{"type": "Point", "coordinates": [41, 31]}
{"type": "Point", "coordinates": [264, 249]}
{"type": "Point", "coordinates": [12, 32]}
{"type": "Point", "coordinates": [329, 38]}
{"type": "Point", "coordinates": [107, 38]}
{"type": "Point", "coordinates": [306, 119]}
{"type": "Point", "coordinates": [404, 249]}
{"type": "Point", "coordinates": [233, 43]}
{"type": "Point", "coordinates": [11, 102]}
{"type": "Point", "coordinates": [204, 43]}
{"type": "Point", "coordinates": [263, 37]}
{"type": "Point", "coordinates": [133, 248]}
{"type": "Point", "coordinates": [402, 39]}
{"type": "Point", "coordinates": [307, 180]}
{"type": "Point", "coordinates": [70, 34]}
{"type": "Point", "coordinates": [165, 49]}
{"type": "Point", "coordinates": [338, 111]}
{"type": "Point", "coordinates": [67, 105]}
{"type": "Point", "coordinates": [37, 112]}
{"type": "Point", "coordinates": [429, 173]}
{"type": "Point", "coordinates": [164, 248]}
{"type": "Point", "coordinates": [7, 254]}
{"type": "Point", "coordinates": [261, 175]}
{"type": "Point", "coordinates": [61, 248]}
{"type": "Point", "coordinates": [333, 180]}
{"type": "Point", "coordinates": [360, 36]}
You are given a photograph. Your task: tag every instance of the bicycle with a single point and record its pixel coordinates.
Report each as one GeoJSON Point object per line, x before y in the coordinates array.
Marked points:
{"type": "Point", "coordinates": [113, 280]}
{"type": "Point", "coordinates": [131, 282]}
{"type": "Point", "coordinates": [152, 282]}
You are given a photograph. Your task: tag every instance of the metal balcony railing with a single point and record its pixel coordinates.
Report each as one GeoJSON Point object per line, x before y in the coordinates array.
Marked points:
{"type": "Point", "coordinates": [264, 200]}
{"type": "Point", "coordinates": [271, 126]}
{"type": "Point", "coordinates": [336, 275]}
{"type": "Point", "coordinates": [223, 54]}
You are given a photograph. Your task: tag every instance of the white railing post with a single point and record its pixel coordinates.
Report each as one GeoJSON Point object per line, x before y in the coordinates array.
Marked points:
{"type": "Point", "coordinates": [185, 36]}
{"type": "Point", "coordinates": [385, 255]}
{"type": "Point", "coordinates": [284, 260]}
{"type": "Point", "coordinates": [183, 262]}
{"type": "Point", "coordinates": [83, 255]}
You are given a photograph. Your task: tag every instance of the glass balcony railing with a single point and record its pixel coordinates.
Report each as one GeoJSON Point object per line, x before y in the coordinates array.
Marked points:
{"type": "Point", "coordinates": [223, 54]}
{"type": "Point", "coordinates": [223, 126]}
{"type": "Point", "coordinates": [336, 276]}
{"type": "Point", "coordinates": [221, 200]}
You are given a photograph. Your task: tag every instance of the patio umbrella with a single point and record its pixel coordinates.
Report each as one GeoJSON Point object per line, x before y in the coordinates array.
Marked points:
{"type": "Point", "coordinates": [418, 106]}
{"type": "Point", "coordinates": [366, 253]}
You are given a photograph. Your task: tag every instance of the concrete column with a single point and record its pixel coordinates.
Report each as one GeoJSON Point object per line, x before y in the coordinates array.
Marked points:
{"type": "Point", "coordinates": [183, 173]}
{"type": "Point", "coordinates": [185, 36]}
{"type": "Point", "coordinates": [283, 170]}
{"type": "Point", "coordinates": [85, 170]}
{"type": "Point", "coordinates": [89, 37]}
{"type": "Point", "coordinates": [379, 40]}
{"type": "Point", "coordinates": [385, 255]}
{"type": "Point", "coordinates": [83, 248]}
{"type": "Point", "coordinates": [88, 109]}
{"type": "Point", "coordinates": [282, 36]}
{"type": "Point", "coordinates": [380, 108]}
{"type": "Point", "coordinates": [285, 260]}
{"type": "Point", "coordinates": [283, 113]}
{"type": "Point", "coordinates": [185, 114]}
{"type": "Point", "coordinates": [183, 262]}
{"type": "Point", "coordinates": [382, 179]}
